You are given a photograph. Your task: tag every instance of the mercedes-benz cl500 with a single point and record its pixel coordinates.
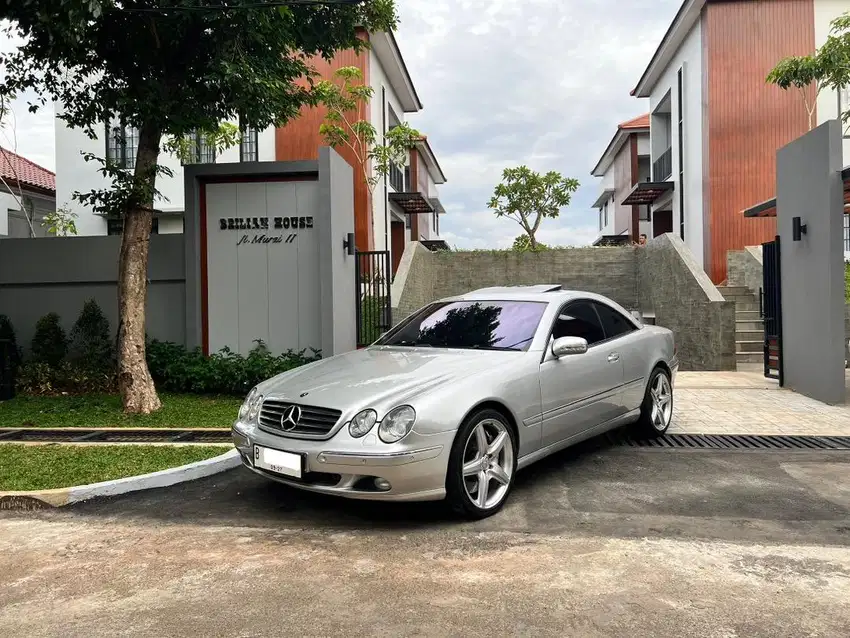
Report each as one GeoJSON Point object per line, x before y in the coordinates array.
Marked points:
{"type": "Point", "coordinates": [459, 396]}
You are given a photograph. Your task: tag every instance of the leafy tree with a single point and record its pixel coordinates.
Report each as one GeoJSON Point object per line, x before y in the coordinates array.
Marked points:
{"type": "Point", "coordinates": [60, 222]}
{"type": "Point", "coordinates": [346, 125]}
{"type": "Point", "coordinates": [828, 68]}
{"type": "Point", "coordinates": [170, 68]}
{"type": "Point", "coordinates": [528, 197]}
{"type": "Point", "coordinates": [522, 244]}
{"type": "Point", "coordinates": [7, 333]}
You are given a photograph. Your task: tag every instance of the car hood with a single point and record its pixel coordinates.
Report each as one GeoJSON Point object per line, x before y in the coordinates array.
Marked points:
{"type": "Point", "coordinates": [368, 377]}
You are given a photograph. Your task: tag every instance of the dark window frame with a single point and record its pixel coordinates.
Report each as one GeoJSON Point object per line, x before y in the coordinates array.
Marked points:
{"type": "Point", "coordinates": [249, 144]}
{"type": "Point", "coordinates": [115, 226]}
{"type": "Point", "coordinates": [201, 153]}
{"type": "Point", "coordinates": [566, 305]}
{"type": "Point", "coordinates": [121, 147]}
{"type": "Point", "coordinates": [681, 145]}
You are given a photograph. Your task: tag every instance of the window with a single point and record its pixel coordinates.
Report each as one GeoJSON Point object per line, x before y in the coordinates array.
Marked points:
{"type": "Point", "coordinates": [846, 233]}
{"type": "Point", "coordinates": [614, 323]}
{"type": "Point", "coordinates": [484, 325]}
{"type": "Point", "coordinates": [843, 107]}
{"type": "Point", "coordinates": [579, 319]}
{"type": "Point", "coordinates": [122, 143]}
{"type": "Point", "coordinates": [679, 99]}
{"type": "Point", "coordinates": [249, 145]}
{"type": "Point", "coordinates": [201, 152]}
{"type": "Point", "coordinates": [116, 226]}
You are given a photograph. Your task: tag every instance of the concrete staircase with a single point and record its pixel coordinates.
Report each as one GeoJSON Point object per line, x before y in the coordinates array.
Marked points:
{"type": "Point", "coordinates": [749, 327]}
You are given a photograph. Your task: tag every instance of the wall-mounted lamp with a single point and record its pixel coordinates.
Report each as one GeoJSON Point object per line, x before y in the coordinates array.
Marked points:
{"type": "Point", "coordinates": [348, 244]}
{"type": "Point", "coordinates": [798, 229]}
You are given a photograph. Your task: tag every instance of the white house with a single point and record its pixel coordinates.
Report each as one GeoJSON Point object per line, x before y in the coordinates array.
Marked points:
{"type": "Point", "coordinates": [27, 194]}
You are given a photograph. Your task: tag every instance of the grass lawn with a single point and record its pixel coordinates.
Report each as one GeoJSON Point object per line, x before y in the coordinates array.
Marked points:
{"type": "Point", "coordinates": [42, 467]}
{"type": "Point", "coordinates": [178, 411]}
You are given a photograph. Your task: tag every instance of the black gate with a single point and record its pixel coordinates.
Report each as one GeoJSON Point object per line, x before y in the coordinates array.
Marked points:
{"type": "Point", "coordinates": [771, 310]}
{"type": "Point", "coordinates": [373, 276]}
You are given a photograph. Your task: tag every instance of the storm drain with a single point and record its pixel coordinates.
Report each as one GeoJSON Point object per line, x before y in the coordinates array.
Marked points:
{"type": "Point", "coordinates": [766, 442]}
{"type": "Point", "coordinates": [118, 435]}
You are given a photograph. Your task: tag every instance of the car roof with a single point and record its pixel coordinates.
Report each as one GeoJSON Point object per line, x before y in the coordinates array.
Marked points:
{"type": "Point", "coordinates": [540, 292]}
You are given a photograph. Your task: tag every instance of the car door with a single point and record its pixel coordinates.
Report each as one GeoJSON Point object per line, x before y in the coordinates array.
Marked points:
{"type": "Point", "coordinates": [627, 341]}
{"type": "Point", "coordinates": [579, 391]}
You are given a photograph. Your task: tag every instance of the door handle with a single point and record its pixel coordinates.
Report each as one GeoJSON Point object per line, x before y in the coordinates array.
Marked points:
{"type": "Point", "coordinates": [613, 357]}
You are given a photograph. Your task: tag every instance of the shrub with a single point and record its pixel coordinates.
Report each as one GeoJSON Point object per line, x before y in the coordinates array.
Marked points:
{"type": "Point", "coordinates": [91, 346]}
{"type": "Point", "coordinates": [66, 378]}
{"type": "Point", "coordinates": [49, 344]}
{"type": "Point", "coordinates": [175, 369]}
{"type": "Point", "coordinates": [7, 333]}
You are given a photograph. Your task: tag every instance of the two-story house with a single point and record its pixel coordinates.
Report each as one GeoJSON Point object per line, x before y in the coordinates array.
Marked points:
{"type": "Point", "coordinates": [624, 163]}
{"type": "Point", "coordinates": [715, 124]}
{"type": "Point", "coordinates": [27, 194]}
{"type": "Point", "coordinates": [394, 97]}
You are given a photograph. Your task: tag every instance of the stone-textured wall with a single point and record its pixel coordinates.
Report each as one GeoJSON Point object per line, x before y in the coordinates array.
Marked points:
{"type": "Point", "coordinates": [744, 268]}
{"type": "Point", "coordinates": [680, 293]}
{"type": "Point", "coordinates": [661, 277]}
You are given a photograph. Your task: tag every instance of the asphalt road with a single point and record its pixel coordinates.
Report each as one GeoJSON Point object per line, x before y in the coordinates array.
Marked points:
{"type": "Point", "coordinates": [594, 542]}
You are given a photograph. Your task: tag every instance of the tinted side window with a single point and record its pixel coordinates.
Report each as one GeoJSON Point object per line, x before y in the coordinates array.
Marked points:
{"type": "Point", "coordinates": [615, 323]}
{"type": "Point", "coordinates": [579, 320]}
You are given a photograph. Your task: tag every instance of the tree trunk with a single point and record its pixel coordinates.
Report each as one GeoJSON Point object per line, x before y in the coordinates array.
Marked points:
{"type": "Point", "coordinates": [138, 393]}
{"type": "Point", "coordinates": [532, 242]}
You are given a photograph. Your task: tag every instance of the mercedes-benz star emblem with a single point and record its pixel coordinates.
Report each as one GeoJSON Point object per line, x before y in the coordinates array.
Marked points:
{"type": "Point", "coordinates": [290, 418]}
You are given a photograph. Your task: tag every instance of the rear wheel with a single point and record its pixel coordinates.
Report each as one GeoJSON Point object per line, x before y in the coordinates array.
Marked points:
{"type": "Point", "coordinates": [482, 465]}
{"type": "Point", "coordinates": [656, 412]}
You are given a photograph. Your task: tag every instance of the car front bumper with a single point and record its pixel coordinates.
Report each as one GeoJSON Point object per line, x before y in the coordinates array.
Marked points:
{"type": "Point", "coordinates": [415, 467]}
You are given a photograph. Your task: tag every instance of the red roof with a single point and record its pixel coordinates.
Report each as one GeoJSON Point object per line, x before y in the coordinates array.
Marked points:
{"type": "Point", "coordinates": [638, 122]}
{"type": "Point", "coordinates": [15, 168]}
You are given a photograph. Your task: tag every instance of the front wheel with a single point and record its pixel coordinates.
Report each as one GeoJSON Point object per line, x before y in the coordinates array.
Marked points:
{"type": "Point", "coordinates": [656, 412]}
{"type": "Point", "coordinates": [482, 465]}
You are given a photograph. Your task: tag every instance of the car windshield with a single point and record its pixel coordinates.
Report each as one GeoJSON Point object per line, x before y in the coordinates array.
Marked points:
{"type": "Point", "coordinates": [485, 325]}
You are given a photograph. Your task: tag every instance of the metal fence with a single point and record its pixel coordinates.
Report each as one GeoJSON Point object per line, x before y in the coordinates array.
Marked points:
{"type": "Point", "coordinates": [374, 307]}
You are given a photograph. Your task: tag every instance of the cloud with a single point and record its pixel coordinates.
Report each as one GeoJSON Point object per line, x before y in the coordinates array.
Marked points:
{"type": "Point", "coordinates": [504, 82]}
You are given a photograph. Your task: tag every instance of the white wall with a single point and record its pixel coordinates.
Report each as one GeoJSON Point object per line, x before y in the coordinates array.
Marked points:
{"type": "Point", "coordinates": [13, 220]}
{"type": "Point", "coordinates": [643, 144]}
{"type": "Point", "coordinates": [73, 173]}
{"type": "Point", "coordinates": [380, 208]}
{"type": "Point", "coordinates": [689, 54]}
{"type": "Point", "coordinates": [825, 12]}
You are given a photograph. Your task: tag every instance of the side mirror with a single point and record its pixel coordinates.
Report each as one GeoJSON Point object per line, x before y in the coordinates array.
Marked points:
{"type": "Point", "coordinates": [568, 345]}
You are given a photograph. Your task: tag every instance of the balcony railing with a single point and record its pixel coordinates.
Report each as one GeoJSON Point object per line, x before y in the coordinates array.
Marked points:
{"type": "Point", "coordinates": [397, 178]}
{"type": "Point", "coordinates": [662, 168]}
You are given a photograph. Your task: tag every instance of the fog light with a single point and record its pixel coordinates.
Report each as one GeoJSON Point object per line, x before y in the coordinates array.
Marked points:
{"type": "Point", "coordinates": [382, 484]}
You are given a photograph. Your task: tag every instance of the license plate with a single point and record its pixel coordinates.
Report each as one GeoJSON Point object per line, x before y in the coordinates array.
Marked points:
{"type": "Point", "coordinates": [278, 461]}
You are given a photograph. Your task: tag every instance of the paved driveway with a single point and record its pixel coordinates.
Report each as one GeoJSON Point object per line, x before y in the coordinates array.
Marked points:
{"type": "Point", "coordinates": [595, 542]}
{"type": "Point", "coordinates": [745, 402]}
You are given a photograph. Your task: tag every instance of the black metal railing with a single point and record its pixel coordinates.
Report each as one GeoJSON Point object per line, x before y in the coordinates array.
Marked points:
{"type": "Point", "coordinates": [374, 308]}
{"type": "Point", "coordinates": [397, 177]}
{"type": "Point", "coordinates": [662, 168]}
{"type": "Point", "coordinates": [846, 233]}
{"type": "Point", "coordinates": [771, 310]}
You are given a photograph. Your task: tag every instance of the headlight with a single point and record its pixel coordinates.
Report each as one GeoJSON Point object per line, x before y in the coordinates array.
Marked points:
{"type": "Point", "coordinates": [396, 424]}
{"type": "Point", "coordinates": [362, 423]}
{"type": "Point", "coordinates": [246, 404]}
{"type": "Point", "coordinates": [251, 407]}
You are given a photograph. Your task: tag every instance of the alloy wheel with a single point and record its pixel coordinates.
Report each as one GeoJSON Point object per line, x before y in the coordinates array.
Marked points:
{"type": "Point", "coordinates": [662, 402]}
{"type": "Point", "coordinates": [488, 463]}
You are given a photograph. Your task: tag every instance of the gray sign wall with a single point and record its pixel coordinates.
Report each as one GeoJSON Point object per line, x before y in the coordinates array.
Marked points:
{"type": "Point", "coordinates": [809, 186]}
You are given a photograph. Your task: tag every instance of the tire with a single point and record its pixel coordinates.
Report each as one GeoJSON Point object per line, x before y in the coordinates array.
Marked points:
{"type": "Point", "coordinates": [497, 470]}
{"type": "Point", "coordinates": [656, 414]}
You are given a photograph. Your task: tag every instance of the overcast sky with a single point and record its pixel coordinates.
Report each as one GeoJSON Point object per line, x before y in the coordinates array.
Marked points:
{"type": "Point", "coordinates": [504, 83]}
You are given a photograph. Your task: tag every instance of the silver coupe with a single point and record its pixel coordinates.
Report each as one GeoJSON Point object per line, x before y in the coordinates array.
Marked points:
{"type": "Point", "coordinates": [451, 402]}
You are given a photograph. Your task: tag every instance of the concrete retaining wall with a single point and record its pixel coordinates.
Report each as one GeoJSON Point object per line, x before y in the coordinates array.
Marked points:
{"type": "Point", "coordinates": [744, 268]}
{"type": "Point", "coordinates": [661, 278]}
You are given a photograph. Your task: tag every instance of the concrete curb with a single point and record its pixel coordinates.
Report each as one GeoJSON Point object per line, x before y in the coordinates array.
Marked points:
{"type": "Point", "coordinates": [62, 496]}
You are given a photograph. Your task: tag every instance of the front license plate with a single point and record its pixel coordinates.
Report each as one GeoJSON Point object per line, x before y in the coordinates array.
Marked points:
{"type": "Point", "coordinates": [278, 462]}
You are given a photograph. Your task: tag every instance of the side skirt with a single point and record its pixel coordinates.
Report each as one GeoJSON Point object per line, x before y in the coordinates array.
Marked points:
{"type": "Point", "coordinates": [625, 419]}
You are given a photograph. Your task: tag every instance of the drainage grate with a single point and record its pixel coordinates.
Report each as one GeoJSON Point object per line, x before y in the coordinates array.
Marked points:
{"type": "Point", "coordinates": [735, 442]}
{"type": "Point", "coordinates": [118, 435]}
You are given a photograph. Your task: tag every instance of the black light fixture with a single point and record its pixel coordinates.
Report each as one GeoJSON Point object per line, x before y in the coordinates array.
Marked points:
{"type": "Point", "coordinates": [348, 244]}
{"type": "Point", "coordinates": [798, 229]}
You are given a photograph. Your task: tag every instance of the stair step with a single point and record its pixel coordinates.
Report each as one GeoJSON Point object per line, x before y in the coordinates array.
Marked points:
{"type": "Point", "coordinates": [749, 357]}
{"type": "Point", "coordinates": [749, 346]}
{"type": "Point", "coordinates": [747, 315]}
{"type": "Point", "coordinates": [745, 325]}
{"type": "Point", "coordinates": [749, 335]}
{"type": "Point", "coordinates": [747, 306]}
{"type": "Point", "coordinates": [734, 290]}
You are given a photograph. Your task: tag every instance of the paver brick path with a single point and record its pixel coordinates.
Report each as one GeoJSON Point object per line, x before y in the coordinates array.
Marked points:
{"type": "Point", "coordinates": [745, 402]}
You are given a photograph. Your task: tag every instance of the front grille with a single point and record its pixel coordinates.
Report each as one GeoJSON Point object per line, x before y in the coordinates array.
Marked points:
{"type": "Point", "coordinates": [314, 421]}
